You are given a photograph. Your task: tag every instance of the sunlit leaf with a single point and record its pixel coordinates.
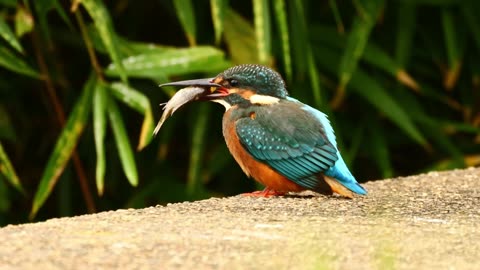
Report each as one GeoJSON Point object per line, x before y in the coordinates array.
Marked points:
{"type": "Point", "coordinates": [240, 39]}
{"type": "Point", "coordinates": [453, 49]}
{"type": "Point", "coordinates": [172, 62]}
{"type": "Point", "coordinates": [282, 23]}
{"type": "Point", "coordinates": [8, 36]}
{"type": "Point", "coordinates": [100, 103]}
{"type": "Point", "coordinates": [218, 8]}
{"type": "Point", "coordinates": [23, 22]}
{"type": "Point", "coordinates": [64, 147]}
{"type": "Point", "coordinates": [7, 170]}
{"type": "Point", "coordinates": [261, 12]}
{"type": "Point", "coordinates": [10, 61]}
{"type": "Point", "coordinates": [139, 102]}
{"type": "Point", "coordinates": [104, 25]}
{"type": "Point", "coordinates": [123, 144]}
{"type": "Point", "coordinates": [186, 16]}
{"type": "Point", "coordinates": [379, 58]}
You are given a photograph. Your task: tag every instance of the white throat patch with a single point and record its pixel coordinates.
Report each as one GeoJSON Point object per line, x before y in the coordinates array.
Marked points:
{"type": "Point", "coordinates": [263, 100]}
{"type": "Point", "coordinates": [223, 102]}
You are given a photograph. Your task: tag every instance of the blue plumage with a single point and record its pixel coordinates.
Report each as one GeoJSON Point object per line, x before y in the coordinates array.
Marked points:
{"type": "Point", "coordinates": [340, 170]}
{"type": "Point", "coordinates": [297, 141]}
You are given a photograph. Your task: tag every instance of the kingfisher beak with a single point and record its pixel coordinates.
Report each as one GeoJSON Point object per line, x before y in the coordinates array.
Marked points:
{"type": "Point", "coordinates": [212, 90]}
{"type": "Point", "coordinates": [198, 82]}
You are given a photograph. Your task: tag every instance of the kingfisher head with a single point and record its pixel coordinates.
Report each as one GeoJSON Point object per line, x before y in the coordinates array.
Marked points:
{"type": "Point", "coordinates": [242, 85]}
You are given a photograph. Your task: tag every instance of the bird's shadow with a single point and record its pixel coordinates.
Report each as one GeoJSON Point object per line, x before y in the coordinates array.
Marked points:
{"type": "Point", "coordinates": [311, 195]}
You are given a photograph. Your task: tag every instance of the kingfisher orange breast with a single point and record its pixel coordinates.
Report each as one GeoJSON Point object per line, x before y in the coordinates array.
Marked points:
{"type": "Point", "coordinates": [252, 167]}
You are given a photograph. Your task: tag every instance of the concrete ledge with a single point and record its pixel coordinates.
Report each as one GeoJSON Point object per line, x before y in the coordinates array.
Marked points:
{"type": "Point", "coordinates": [419, 222]}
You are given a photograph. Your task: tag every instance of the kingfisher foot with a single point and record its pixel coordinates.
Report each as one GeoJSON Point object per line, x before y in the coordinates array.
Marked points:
{"type": "Point", "coordinates": [266, 193]}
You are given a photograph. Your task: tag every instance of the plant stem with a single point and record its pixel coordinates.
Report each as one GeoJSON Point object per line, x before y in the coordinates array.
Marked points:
{"type": "Point", "coordinates": [61, 119]}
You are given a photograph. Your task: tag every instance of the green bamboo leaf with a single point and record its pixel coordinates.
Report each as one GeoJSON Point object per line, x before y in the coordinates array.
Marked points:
{"type": "Point", "coordinates": [5, 201]}
{"type": "Point", "coordinates": [261, 12]}
{"type": "Point", "coordinates": [282, 22]}
{"type": "Point", "coordinates": [8, 3]}
{"type": "Point", "coordinates": [186, 16]}
{"type": "Point", "coordinates": [453, 49]}
{"type": "Point", "coordinates": [356, 41]}
{"type": "Point", "coordinates": [104, 25]}
{"type": "Point", "coordinates": [64, 147]}
{"type": "Point", "coordinates": [7, 130]}
{"type": "Point", "coordinates": [336, 15]}
{"type": "Point", "coordinates": [300, 41]}
{"type": "Point", "coordinates": [406, 25]}
{"type": "Point", "coordinates": [200, 128]}
{"type": "Point", "coordinates": [470, 13]}
{"type": "Point", "coordinates": [438, 3]}
{"type": "Point", "coordinates": [369, 89]}
{"type": "Point", "coordinates": [100, 103]}
{"type": "Point", "coordinates": [10, 61]}
{"type": "Point", "coordinates": [379, 148]}
{"type": "Point", "coordinates": [218, 9]}
{"type": "Point", "coordinates": [378, 57]}
{"type": "Point", "coordinates": [139, 102]}
{"type": "Point", "coordinates": [43, 7]}
{"type": "Point", "coordinates": [240, 39]}
{"type": "Point", "coordinates": [8, 36]}
{"type": "Point", "coordinates": [7, 170]}
{"type": "Point", "coordinates": [314, 79]}
{"type": "Point", "coordinates": [172, 62]}
{"type": "Point", "coordinates": [123, 144]}
{"type": "Point", "coordinates": [373, 54]}
{"type": "Point", "coordinates": [126, 47]}
{"type": "Point", "coordinates": [23, 22]}
{"type": "Point", "coordinates": [380, 98]}
{"type": "Point", "coordinates": [357, 136]}
{"type": "Point", "coordinates": [302, 50]}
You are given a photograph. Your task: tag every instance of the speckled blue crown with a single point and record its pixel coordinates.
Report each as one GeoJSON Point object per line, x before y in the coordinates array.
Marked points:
{"type": "Point", "coordinates": [262, 79]}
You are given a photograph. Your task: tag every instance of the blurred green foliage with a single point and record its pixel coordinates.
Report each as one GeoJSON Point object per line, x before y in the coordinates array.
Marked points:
{"type": "Point", "coordinates": [78, 89]}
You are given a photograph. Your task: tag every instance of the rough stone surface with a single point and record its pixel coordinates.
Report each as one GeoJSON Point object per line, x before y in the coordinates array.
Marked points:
{"type": "Point", "coordinates": [429, 221]}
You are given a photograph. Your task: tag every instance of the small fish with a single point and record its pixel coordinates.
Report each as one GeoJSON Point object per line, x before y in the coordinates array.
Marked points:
{"type": "Point", "coordinates": [182, 97]}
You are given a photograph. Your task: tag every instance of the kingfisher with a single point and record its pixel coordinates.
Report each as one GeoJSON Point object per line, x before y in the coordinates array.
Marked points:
{"type": "Point", "coordinates": [282, 143]}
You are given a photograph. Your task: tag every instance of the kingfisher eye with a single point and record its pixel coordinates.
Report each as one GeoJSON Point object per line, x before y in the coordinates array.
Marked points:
{"type": "Point", "coordinates": [233, 82]}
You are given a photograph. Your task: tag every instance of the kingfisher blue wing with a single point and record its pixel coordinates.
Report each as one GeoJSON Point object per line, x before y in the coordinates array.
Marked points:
{"type": "Point", "coordinates": [290, 140]}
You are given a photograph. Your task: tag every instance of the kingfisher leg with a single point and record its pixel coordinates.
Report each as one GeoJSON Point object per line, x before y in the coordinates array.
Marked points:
{"type": "Point", "coordinates": [266, 193]}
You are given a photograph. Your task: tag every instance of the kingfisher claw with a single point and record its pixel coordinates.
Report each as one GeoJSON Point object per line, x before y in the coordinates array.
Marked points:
{"type": "Point", "coordinates": [266, 193]}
